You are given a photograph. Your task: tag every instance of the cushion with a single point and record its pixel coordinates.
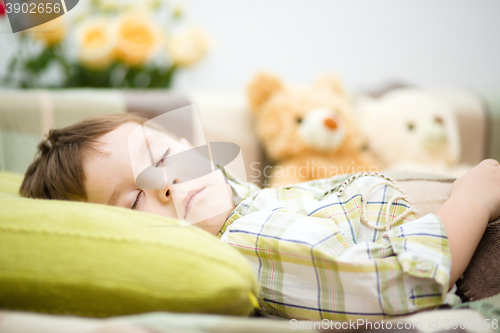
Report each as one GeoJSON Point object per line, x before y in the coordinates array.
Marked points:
{"type": "Point", "coordinates": [96, 260]}
{"type": "Point", "coordinates": [481, 279]}
{"type": "Point", "coordinates": [9, 183]}
{"type": "Point", "coordinates": [425, 192]}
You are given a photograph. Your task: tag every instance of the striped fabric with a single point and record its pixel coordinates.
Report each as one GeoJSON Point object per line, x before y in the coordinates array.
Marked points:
{"type": "Point", "coordinates": [316, 260]}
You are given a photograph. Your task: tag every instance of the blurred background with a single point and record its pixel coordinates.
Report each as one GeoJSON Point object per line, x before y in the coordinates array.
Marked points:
{"type": "Point", "coordinates": [425, 42]}
{"type": "Point", "coordinates": [421, 41]}
{"type": "Point", "coordinates": [207, 52]}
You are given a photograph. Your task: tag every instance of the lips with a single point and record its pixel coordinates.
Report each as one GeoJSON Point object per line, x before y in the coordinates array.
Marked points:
{"type": "Point", "coordinates": [188, 198]}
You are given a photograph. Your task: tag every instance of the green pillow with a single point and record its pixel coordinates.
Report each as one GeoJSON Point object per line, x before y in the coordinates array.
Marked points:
{"type": "Point", "coordinates": [10, 183]}
{"type": "Point", "coordinates": [95, 260]}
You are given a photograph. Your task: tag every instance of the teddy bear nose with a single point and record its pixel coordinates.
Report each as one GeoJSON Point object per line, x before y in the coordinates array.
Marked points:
{"type": "Point", "coordinates": [432, 135]}
{"type": "Point", "coordinates": [330, 123]}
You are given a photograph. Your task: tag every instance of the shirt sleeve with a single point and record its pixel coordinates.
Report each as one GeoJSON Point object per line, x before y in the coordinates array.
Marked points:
{"type": "Point", "coordinates": [308, 269]}
{"type": "Point", "coordinates": [423, 253]}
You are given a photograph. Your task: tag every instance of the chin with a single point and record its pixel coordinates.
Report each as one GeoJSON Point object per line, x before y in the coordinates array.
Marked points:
{"type": "Point", "coordinates": [213, 224]}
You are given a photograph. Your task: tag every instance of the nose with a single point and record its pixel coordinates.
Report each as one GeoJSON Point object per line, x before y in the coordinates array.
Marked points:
{"type": "Point", "coordinates": [165, 194]}
{"type": "Point", "coordinates": [432, 135]}
{"type": "Point", "coordinates": [323, 129]}
{"type": "Point", "coordinates": [330, 123]}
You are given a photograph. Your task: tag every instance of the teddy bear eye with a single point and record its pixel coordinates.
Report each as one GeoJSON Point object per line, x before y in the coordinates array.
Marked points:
{"type": "Point", "coordinates": [411, 126]}
{"type": "Point", "coordinates": [298, 120]}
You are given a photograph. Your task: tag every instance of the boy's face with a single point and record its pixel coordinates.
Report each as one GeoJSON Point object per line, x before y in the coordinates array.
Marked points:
{"type": "Point", "coordinates": [206, 201]}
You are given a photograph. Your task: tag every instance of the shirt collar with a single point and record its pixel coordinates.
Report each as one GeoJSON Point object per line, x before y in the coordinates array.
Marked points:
{"type": "Point", "coordinates": [240, 191]}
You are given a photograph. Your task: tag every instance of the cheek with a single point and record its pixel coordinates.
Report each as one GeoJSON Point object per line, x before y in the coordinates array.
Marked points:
{"type": "Point", "coordinates": [162, 210]}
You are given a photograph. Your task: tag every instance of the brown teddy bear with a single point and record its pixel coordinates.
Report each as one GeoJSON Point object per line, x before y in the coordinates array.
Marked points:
{"type": "Point", "coordinates": [309, 133]}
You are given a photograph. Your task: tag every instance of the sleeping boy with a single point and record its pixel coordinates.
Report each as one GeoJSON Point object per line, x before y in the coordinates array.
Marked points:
{"type": "Point", "coordinates": [341, 248]}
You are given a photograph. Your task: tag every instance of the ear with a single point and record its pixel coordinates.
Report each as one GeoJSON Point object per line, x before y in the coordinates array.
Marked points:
{"type": "Point", "coordinates": [261, 88]}
{"type": "Point", "coordinates": [332, 82]}
{"type": "Point", "coordinates": [366, 105]}
{"type": "Point", "coordinates": [368, 113]}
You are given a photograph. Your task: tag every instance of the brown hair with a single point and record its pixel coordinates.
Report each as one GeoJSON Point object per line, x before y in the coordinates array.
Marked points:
{"type": "Point", "coordinates": [57, 171]}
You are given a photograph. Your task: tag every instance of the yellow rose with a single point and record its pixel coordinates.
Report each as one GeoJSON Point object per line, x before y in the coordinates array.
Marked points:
{"type": "Point", "coordinates": [137, 39]}
{"type": "Point", "coordinates": [188, 47]}
{"type": "Point", "coordinates": [51, 33]}
{"type": "Point", "coordinates": [96, 44]}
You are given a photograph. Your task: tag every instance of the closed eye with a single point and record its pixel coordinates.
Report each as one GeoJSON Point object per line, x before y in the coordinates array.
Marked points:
{"type": "Point", "coordinates": [162, 158]}
{"type": "Point", "coordinates": [139, 196]}
{"type": "Point", "coordinates": [136, 202]}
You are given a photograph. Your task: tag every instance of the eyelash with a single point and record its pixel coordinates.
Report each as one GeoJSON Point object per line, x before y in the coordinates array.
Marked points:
{"type": "Point", "coordinates": [136, 202]}
{"type": "Point", "coordinates": [167, 152]}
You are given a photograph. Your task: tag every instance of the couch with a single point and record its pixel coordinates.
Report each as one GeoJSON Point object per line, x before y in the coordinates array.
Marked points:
{"type": "Point", "coordinates": [25, 116]}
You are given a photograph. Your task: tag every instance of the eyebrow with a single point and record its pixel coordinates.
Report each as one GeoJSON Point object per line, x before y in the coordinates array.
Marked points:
{"type": "Point", "coordinates": [157, 164]}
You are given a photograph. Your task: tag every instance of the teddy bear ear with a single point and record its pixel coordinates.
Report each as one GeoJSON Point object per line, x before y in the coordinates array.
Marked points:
{"type": "Point", "coordinates": [366, 105]}
{"type": "Point", "coordinates": [332, 82]}
{"type": "Point", "coordinates": [261, 88]}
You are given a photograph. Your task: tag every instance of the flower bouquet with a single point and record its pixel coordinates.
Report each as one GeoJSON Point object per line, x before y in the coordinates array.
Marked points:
{"type": "Point", "coordinates": [113, 44]}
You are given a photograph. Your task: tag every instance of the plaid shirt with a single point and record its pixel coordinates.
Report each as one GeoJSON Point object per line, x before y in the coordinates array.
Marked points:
{"type": "Point", "coordinates": [315, 259]}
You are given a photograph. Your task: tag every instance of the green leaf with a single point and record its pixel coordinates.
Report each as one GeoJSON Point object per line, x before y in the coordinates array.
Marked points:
{"type": "Point", "coordinates": [40, 62]}
{"type": "Point", "coordinates": [163, 78]}
{"type": "Point", "coordinates": [13, 63]}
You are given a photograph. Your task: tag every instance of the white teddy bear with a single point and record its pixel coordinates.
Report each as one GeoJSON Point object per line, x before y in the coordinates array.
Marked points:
{"type": "Point", "coordinates": [412, 129]}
